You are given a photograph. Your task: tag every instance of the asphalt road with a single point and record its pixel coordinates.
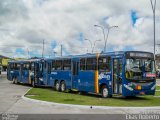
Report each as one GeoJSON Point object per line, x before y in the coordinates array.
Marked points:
{"type": "Point", "coordinates": [11, 102]}
{"type": "Point", "coordinates": [10, 93]}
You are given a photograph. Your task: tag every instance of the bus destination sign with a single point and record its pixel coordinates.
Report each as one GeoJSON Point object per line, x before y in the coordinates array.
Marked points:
{"type": "Point", "coordinates": [139, 55]}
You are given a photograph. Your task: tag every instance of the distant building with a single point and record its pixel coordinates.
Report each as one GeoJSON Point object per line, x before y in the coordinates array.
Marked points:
{"type": "Point", "coordinates": [4, 62]}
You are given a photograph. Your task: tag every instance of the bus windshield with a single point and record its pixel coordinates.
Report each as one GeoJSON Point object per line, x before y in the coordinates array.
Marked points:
{"type": "Point", "coordinates": [137, 68]}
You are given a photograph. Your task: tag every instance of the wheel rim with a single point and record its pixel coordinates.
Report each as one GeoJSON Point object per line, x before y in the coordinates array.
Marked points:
{"type": "Point", "coordinates": [105, 92]}
{"type": "Point", "coordinates": [57, 86]}
{"type": "Point", "coordinates": [62, 87]}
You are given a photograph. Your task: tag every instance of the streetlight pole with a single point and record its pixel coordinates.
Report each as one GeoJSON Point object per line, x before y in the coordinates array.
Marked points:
{"type": "Point", "coordinates": [154, 9]}
{"type": "Point", "coordinates": [108, 35]}
{"type": "Point", "coordinates": [105, 38]}
{"type": "Point", "coordinates": [90, 43]}
{"type": "Point", "coordinates": [94, 44]}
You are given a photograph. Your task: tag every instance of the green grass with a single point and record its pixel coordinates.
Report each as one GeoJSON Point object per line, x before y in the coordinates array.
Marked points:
{"type": "Point", "coordinates": [157, 93]}
{"type": "Point", "coordinates": [157, 87]}
{"type": "Point", "coordinates": [73, 98]}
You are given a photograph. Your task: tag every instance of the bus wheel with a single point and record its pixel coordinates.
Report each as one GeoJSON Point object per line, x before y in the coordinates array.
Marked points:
{"type": "Point", "coordinates": [57, 86]}
{"type": "Point", "coordinates": [63, 86]}
{"type": "Point", "coordinates": [105, 92]}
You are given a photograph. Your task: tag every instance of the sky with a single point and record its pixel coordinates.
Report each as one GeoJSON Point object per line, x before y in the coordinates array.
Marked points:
{"type": "Point", "coordinates": [24, 24]}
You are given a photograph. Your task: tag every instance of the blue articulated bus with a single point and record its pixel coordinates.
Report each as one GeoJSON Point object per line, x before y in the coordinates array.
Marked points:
{"type": "Point", "coordinates": [126, 73]}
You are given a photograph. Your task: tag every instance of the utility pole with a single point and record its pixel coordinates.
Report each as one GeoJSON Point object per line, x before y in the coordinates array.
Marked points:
{"type": "Point", "coordinates": [61, 49]}
{"type": "Point", "coordinates": [154, 30]}
{"type": "Point", "coordinates": [43, 50]}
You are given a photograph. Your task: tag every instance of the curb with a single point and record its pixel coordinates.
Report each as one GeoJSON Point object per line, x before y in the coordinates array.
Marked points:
{"type": "Point", "coordinates": [86, 106]}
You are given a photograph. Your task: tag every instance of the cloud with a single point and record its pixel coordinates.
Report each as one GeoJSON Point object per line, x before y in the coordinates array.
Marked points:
{"type": "Point", "coordinates": [26, 23]}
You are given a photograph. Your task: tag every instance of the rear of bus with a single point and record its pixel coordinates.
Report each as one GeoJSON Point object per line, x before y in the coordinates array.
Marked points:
{"type": "Point", "coordinates": [140, 74]}
{"type": "Point", "coordinates": [10, 71]}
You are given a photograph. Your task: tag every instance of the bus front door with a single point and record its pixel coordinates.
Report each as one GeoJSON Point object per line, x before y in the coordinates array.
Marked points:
{"type": "Point", "coordinates": [75, 70]}
{"type": "Point", "coordinates": [117, 78]}
{"type": "Point", "coordinates": [46, 72]}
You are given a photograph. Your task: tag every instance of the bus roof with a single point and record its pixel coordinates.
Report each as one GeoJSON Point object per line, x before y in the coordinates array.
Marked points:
{"type": "Point", "coordinates": [94, 54]}
{"type": "Point", "coordinates": [78, 56]}
{"type": "Point", "coordinates": [24, 61]}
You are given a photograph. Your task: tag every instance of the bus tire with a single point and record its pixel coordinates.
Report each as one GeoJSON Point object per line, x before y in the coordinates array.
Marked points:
{"type": "Point", "coordinates": [63, 86]}
{"type": "Point", "coordinates": [105, 92]}
{"type": "Point", "coordinates": [57, 86]}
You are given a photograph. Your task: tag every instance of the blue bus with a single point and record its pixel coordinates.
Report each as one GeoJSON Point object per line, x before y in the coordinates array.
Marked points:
{"type": "Point", "coordinates": [126, 73]}
{"type": "Point", "coordinates": [22, 71]}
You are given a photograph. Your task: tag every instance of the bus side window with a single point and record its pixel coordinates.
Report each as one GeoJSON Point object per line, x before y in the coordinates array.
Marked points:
{"type": "Point", "coordinates": [54, 65]}
{"type": "Point", "coordinates": [26, 66]}
{"type": "Point", "coordinates": [120, 65]}
{"type": "Point", "coordinates": [14, 66]}
{"type": "Point", "coordinates": [83, 64]}
{"type": "Point", "coordinates": [23, 66]}
{"type": "Point", "coordinates": [104, 64]}
{"type": "Point", "coordinates": [67, 64]}
{"type": "Point", "coordinates": [91, 63]}
{"type": "Point", "coordinates": [41, 67]}
{"type": "Point", "coordinates": [10, 66]}
{"type": "Point", "coordinates": [29, 68]}
{"type": "Point", "coordinates": [18, 66]}
{"type": "Point", "coordinates": [49, 68]}
{"type": "Point", "coordinates": [59, 65]}
{"type": "Point", "coordinates": [32, 66]}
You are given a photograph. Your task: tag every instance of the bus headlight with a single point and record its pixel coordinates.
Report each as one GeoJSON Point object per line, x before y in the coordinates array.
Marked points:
{"type": "Point", "coordinates": [129, 88]}
{"type": "Point", "coordinates": [154, 86]}
{"type": "Point", "coordinates": [41, 79]}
